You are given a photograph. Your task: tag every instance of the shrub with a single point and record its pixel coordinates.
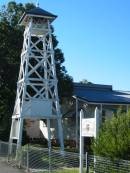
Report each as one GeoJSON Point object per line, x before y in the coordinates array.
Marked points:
{"type": "Point", "coordinates": [113, 140]}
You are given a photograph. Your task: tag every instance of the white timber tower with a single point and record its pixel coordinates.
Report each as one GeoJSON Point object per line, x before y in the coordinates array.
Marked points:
{"type": "Point", "coordinates": [37, 93]}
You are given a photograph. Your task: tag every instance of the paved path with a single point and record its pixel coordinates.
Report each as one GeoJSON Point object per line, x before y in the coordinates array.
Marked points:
{"type": "Point", "coordinates": [6, 168]}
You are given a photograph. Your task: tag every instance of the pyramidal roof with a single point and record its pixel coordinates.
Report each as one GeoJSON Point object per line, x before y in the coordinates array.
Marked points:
{"type": "Point", "coordinates": [37, 12]}
{"type": "Point", "coordinates": [40, 12]}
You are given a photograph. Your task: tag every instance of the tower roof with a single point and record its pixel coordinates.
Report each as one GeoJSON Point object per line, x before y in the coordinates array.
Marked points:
{"type": "Point", "coordinates": [39, 12]}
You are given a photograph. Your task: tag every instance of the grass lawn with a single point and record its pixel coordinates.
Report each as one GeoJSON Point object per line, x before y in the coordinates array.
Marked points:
{"type": "Point", "coordinates": [67, 170]}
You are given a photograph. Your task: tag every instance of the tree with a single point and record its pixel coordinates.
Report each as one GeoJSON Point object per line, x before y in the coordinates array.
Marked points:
{"type": "Point", "coordinates": [114, 137]}
{"type": "Point", "coordinates": [85, 81]}
{"type": "Point", "coordinates": [11, 40]}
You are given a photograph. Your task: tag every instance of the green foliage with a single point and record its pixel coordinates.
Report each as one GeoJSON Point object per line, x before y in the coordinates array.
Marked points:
{"type": "Point", "coordinates": [12, 13]}
{"type": "Point", "coordinates": [11, 41]}
{"type": "Point", "coordinates": [85, 81]}
{"type": "Point", "coordinates": [114, 137]}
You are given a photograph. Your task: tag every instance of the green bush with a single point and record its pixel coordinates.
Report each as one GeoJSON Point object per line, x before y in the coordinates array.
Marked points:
{"type": "Point", "coordinates": [113, 140]}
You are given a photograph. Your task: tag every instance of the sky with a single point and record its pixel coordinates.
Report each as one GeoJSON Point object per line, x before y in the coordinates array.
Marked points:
{"type": "Point", "coordinates": [94, 36]}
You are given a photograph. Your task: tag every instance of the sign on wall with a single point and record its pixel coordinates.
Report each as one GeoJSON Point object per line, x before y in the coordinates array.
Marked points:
{"type": "Point", "coordinates": [88, 127]}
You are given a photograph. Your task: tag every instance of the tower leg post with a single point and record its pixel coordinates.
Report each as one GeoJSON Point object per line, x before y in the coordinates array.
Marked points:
{"type": "Point", "coordinates": [11, 138]}
{"type": "Point", "coordinates": [60, 133]}
{"type": "Point", "coordinates": [19, 142]}
{"type": "Point", "coordinates": [49, 134]}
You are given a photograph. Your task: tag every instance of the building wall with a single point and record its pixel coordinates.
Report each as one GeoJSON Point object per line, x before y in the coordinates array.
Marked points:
{"type": "Point", "coordinates": [32, 129]}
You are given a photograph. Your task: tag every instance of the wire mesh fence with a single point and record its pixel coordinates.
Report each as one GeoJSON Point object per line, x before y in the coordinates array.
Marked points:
{"type": "Point", "coordinates": [42, 160]}
{"type": "Point", "coordinates": [8, 152]}
{"type": "Point", "coordinates": [3, 149]}
{"type": "Point", "coordinates": [104, 165]}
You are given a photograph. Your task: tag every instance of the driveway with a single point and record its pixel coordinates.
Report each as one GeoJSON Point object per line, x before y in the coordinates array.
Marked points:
{"type": "Point", "coordinates": [5, 168]}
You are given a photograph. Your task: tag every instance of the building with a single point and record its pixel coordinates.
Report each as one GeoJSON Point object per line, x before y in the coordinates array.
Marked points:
{"type": "Point", "coordinates": [90, 96]}
{"type": "Point", "coordinates": [87, 97]}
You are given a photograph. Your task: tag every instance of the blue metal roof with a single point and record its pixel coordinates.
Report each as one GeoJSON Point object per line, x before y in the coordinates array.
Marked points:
{"type": "Point", "coordinates": [100, 94]}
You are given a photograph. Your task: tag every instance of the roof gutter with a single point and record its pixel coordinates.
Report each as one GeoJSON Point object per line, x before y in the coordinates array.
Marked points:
{"type": "Point", "coordinates": [99, 103]}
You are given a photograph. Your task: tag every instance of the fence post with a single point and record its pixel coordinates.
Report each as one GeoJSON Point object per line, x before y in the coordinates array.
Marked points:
{"type": "Point", "coordinates": [28, 158]}
{"type": "Point", "coordinates": [87, 163]}
{"type": "Point", "coordinates": [49, 159]}
{"type": "Point", "coordinates": [18, 157]}
{"type": "Point", "coordinates": [0, 147]}
{"type": "Point", "coordinates": [9, 153]}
